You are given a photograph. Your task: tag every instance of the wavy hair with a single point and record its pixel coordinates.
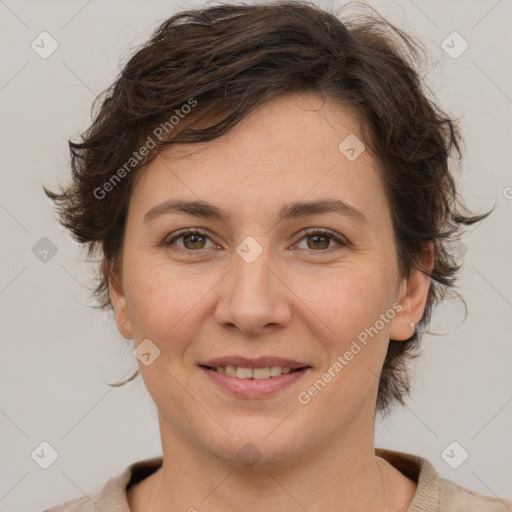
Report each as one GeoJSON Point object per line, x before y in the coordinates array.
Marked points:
{"type": "Point", "coordinates": [230, 59]}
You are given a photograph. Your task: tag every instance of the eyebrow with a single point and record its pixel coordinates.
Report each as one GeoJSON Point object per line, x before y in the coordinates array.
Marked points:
{"type": "Point", "coordinates": [205, 210]}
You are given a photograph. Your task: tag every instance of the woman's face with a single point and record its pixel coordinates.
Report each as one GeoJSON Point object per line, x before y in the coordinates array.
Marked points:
{"type": "Point", "coordinates": [254, 284]}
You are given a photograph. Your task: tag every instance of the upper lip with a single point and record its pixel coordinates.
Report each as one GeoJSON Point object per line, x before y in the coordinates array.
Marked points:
{"type": "Point", "coordinates": [258, 362]}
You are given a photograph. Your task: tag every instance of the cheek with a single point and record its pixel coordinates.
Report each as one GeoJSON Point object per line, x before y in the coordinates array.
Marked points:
{"type": "Point", "coordinates": [156, 299]}
{"type": "Point", "coordinates": [348, 300]}
{"type": "Point", "coordinates": [347, 317]}
{"type": "Point", "coordinates": [357, 338]}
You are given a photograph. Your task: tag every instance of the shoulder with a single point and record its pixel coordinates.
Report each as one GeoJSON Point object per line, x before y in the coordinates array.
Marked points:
{"type": "Point", "coordinates": [112, 496]}
{"type": "Point", "coordinates": [454, 497]}
{"type": "Point", "coordinates": [437, 494]}
{"type": "Point", "coordinates": [85, 504]}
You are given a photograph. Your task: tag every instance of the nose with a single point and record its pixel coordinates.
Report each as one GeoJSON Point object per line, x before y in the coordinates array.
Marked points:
{"type": "Point", "coordinates": [253, 297]}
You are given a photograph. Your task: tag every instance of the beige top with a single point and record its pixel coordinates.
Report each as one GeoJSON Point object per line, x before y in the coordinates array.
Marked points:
{"type": "Point", "coordinates": [433, 494]}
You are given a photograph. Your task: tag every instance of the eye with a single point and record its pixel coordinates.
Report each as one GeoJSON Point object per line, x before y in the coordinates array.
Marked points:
{"type": "Point", "coordinates": [192, 239]}
{"type": "Point", "coordinates": [321, 239]}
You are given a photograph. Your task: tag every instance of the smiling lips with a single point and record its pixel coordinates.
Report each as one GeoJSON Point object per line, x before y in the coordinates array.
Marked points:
{"type": "Point", "coordinates": [253, 378]}
{"type": "Point", "coordinates": [258, 368]}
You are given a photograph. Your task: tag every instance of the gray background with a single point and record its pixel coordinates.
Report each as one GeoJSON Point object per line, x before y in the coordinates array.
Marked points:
{"type": "Point", "coordinates": [58, 354]}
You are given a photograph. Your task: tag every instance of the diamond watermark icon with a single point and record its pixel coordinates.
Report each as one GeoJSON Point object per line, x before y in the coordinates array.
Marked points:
{"type": "Point", "coordinates": [460, 249]}
{"type": "Point", "coordinates": [44, 250]}
{"type": "Point", "coordinates": [249, 249]}
{"type": "Point", "coordinates": [351, 147]}
{"type": "Point", "coordinates": [44, 45]}
{"type": "Point", "coordinates": [44, 455]}
{"type": "Point", "coordinates": [249, 454]}
{"type": "Point", "coordinates": [146, 352]}
{"type": "Point", "coordinates": [454, 45]}
{"type": "Point", "coordinates": [454, 455]}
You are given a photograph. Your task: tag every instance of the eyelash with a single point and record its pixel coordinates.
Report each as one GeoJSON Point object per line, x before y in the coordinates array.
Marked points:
{"type": "Point", "coordinates": [315, 232]}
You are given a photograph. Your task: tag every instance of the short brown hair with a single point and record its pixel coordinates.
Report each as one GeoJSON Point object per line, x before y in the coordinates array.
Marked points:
{"type": "Point", "coordinates": [231, 58]}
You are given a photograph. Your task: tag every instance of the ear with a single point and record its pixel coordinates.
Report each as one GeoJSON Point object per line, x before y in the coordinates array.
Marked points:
{"type": "Point", "coordinates": [412, 296]}
{"type": "Point", "coordinates": [118, 299]}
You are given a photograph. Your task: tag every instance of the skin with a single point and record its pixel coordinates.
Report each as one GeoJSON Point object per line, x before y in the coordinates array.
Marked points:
{"type": "Point", "coordinates": [198, 299]}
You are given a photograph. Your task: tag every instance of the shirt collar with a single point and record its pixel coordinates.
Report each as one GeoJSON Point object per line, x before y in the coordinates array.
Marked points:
{"type": "Point", "coordinates": [112, 497]}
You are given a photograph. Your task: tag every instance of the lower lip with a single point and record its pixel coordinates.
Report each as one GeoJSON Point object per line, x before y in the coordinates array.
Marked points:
{"type": "Point", "coordinates": [254, 388]}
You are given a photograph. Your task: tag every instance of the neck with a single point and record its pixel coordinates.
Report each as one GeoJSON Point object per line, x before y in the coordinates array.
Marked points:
{"type": "Point", "coordinates": [341, 475]}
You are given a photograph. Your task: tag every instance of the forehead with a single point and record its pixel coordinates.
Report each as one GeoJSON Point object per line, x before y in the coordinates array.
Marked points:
{"type": "Point", "coordinates": [292, 147]}
{"type": "Point", "coordinates": [292, 122]}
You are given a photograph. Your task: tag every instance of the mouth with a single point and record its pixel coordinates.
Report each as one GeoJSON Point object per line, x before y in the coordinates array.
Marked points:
{"type": "Point", "coordinates": [253, 378]}
{"type": "Point", "coordinates": [265, 367]}
{"type": "Point", "coordinates": [244, 372]}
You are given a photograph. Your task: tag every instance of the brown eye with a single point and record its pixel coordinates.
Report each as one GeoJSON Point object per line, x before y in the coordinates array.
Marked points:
{"type": "Point", "coordinates": [192, 240]}
{"type": "Point", "coordinates": [320, 240]}
{"type": "Point", "coordinates": [317, 241]}
{"type": "Point", "coordinates": [195, 241]}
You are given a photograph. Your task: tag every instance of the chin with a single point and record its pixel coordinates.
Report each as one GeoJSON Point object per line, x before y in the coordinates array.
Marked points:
{"type": "Point", "coordinates": [257, 443]}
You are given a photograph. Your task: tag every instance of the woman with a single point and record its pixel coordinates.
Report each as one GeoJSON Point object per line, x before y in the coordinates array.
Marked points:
{"type": "Point", "coordinates": [270, 190]}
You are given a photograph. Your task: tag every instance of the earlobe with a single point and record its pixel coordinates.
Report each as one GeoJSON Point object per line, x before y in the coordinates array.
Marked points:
{"type": "Point", "coordinates": [413, 297]}
{"type": "Point", "coordinates": [118, 299]}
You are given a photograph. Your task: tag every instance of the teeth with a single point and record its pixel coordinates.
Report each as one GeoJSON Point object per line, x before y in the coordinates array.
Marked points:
{"type": "Point", "coordinates": [253, 373]}
{"type": "Point", "coordinates": [243, 373]}
{"type": "Point", "coordinates": [275, 371]}
{"type": "Point", "coordinates": [260, 373]}
{"type": "Point", "coordinates": [231, 371]}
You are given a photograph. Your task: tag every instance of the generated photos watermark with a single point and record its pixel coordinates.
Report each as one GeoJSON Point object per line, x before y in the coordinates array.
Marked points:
{"type": "Point", "coordinates": [304, 397]}
{"type": "Point", "coordinates": [138, 156]}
